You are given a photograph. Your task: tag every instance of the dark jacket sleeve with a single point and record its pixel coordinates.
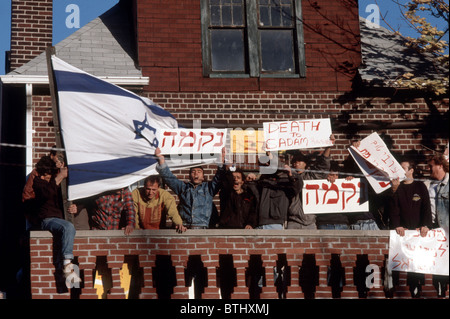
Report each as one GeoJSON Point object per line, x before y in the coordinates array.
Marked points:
{"type": "Point", "coordinates": [394, 211]}
{"type": "Point", "coordinates": [426, 218]}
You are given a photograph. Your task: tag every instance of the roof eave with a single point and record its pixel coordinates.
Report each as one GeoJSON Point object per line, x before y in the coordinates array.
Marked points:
{"type": "Point", "coordinates": [43, 79]}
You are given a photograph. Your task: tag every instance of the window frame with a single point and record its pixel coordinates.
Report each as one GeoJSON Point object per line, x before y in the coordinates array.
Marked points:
{"type": "Point", "coordinates": [253, 45]}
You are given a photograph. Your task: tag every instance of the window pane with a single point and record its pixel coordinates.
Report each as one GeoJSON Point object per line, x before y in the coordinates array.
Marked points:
{"type": "Point", "coordinates": [264, 16]}
{"type": "Point", "coordinates": [226, 16]}
{"type": "Point", "coordinates": [227, 13]}
{"type": "Point", "coordinates": [276, 13]}
{"type": "Point", "coordinates": [215, 15]}
{"type": "Point", "coordinates": [276, 16]}
{"type": "Point", "coordinates": [277, 51]}
{"type": "Point", "coordinates": [238, 16]}
{"type": "Point", "coordinates": [227, 50]}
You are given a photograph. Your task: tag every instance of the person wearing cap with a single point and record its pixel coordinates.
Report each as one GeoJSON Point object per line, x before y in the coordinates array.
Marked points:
{"type": "Point", "coordinates": [306, 170]}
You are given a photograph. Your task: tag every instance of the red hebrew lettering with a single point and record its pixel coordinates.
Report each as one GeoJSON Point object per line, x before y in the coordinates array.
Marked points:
{"type": "Point", "coordinates": [220, 143]}
{"type": "Point", "coordinates": [394, 169]}
{"type": "Point", "coordinates": [442, 248]}
{"type": "Point", "coordinates": [440, 235]}
{"type": "Point", "coordinates": [184, 136]}
{"type": "Point", "coordinates": [200, 144]}
{"type": "Point", "coordinates": [377, 147]}
{"type": "Point", "coordinates": [384, 184]}
{"type": "Point", "coordinates": [396, 261]}
{"type": "Point", "coordinates": [173, 134]}
{"type": "Point", "coordinates": [347, 186]}
{"type": "Point", "coordinates": [316, 187]}
{"type": "Point", "coordinates": [333, 187]}
{"type": "Point", "coordinates": [365, 153]}
{"type": "Point", "coordinates": [405, 263]}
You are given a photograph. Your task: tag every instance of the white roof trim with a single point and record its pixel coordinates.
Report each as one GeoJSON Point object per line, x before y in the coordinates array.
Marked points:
{"type": "Point", "coordinates": [43, 79]}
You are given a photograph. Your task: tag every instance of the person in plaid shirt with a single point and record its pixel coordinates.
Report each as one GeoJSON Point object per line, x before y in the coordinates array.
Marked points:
{"type": "Point", "coordinates": [108, 210]}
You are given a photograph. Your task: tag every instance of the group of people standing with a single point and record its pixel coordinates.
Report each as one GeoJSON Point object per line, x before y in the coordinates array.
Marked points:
{"type": "Point", "coordinates": [272, 201]}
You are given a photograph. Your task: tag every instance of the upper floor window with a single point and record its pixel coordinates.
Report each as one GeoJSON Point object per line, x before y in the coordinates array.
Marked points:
{"type": "Point", "coordinates": [252, 38]}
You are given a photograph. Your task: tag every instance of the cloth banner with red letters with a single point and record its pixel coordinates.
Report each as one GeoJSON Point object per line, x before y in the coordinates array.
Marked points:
{"type": "Point", "coordinates": [413, 253]}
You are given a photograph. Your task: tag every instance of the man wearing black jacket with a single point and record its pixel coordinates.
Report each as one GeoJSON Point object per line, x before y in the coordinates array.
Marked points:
{"type": "Point", "coordinates": [274, 193]}
{"type": "Point", "coordinates": [237, 203]}
{"type": "Point", "coordinates": [46, 186]}
{"type": "Point", "coordinates": [411, 208]}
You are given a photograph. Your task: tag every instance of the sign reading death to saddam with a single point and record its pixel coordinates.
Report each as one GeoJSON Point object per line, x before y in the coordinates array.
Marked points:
{"type": "Point", "coordinates": [301, 134]}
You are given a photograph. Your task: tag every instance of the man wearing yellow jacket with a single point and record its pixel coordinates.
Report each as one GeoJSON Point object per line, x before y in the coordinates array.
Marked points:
{"type": "Point", "coordinates": [153, 204]}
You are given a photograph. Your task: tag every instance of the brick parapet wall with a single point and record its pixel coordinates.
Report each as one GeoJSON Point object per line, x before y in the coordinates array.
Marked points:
{"type": "Point", "coordinates": [145, 247]}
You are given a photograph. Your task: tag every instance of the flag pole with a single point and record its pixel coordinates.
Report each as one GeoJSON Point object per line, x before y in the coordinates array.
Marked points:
{"type": "Point", "coordinates": [59, 143]}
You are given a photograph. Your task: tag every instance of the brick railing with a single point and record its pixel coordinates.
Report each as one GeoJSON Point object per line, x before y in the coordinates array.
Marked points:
{"type": "Point", "coordinates": [225, 263]}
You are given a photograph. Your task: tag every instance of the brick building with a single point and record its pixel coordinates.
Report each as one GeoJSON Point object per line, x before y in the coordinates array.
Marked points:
{"type": "Point", "coordinates": [215, 61]}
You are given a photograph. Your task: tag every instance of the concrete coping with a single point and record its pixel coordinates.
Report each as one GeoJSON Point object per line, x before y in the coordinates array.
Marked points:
{"type": "Point", "coordinates": [222, 232]}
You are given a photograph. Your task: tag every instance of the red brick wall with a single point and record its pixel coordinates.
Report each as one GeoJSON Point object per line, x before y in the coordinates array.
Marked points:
{"type": "Point", "coordinates": [407, 122]}
{"type": "Point", "coordinates": [31, 29]}
{"type": "Point", "coordinates": [44, 133]}
{"type": "Point", "coordinates": [145, 245]}
{"type": "Point", "coordinates": [361, 115]}
{"type": "Point", "coordinates": [170, 49]}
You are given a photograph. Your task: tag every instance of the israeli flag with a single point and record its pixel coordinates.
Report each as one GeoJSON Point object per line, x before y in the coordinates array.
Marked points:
{"type": "Point", "coordinates": [109, 133]}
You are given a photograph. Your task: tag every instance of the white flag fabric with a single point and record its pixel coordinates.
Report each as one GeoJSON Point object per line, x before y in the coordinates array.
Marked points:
{"type": "Point", "coordinates": [109, 133]}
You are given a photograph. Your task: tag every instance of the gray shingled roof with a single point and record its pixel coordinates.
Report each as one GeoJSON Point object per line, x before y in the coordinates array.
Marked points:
{"type": "Point", "coordinates": [385, 57]}
{"type": "Point", "coordinates": [103, 47]}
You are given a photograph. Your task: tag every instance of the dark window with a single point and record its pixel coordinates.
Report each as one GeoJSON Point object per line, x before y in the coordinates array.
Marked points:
{"type": "Point", "coordinates": [252, 38]}
{"type": "Point", "coordinates": [276, 30]}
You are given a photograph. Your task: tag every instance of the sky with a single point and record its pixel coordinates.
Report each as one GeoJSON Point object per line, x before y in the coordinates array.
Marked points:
{"type": "Point", "coordinates": [65, 13]}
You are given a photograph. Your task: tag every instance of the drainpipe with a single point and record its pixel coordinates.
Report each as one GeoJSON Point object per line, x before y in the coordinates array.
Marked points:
{"type": "Point", "coordinates": [29, 128]}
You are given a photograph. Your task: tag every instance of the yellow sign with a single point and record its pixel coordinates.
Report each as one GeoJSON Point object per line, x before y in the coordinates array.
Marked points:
{"type": "Point", "coordinates": [247, 141]}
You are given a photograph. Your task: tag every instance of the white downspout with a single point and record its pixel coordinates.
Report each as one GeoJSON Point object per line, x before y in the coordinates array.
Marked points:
{"type": "Point", "coordinates": [29, 128]}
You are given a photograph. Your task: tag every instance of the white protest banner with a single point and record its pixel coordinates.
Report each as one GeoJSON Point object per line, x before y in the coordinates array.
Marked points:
{"type": "Point", "coordinates": [289, 135]}
{"type": "Point", "coordinates": [413, 253]}
{"type": "Point", "coordinates": [377, 179]}
{"type": "Point", "coordinates": [192, 141]}
{"type": "Point", "coordinates": [342, 196]}
{"type": "Point", "coordinates": [376, 162]}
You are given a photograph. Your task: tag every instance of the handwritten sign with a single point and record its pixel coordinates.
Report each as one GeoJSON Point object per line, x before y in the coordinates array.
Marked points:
{"type": "Point", "coordinates": [413, 253]}
{"type": "Point", "coordinates": [376, 162]}
{"type": "Point", "coordinates": [195, 141]}
{"type": "Point", "coordinates": [342, 196]}
{"type": "Point", "coordinates": [302, 134]}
